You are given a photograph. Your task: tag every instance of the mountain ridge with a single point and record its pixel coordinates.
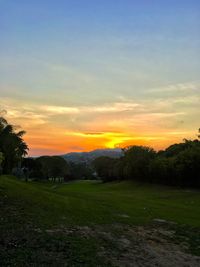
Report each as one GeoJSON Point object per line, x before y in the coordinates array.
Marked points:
{"type": "Point", "coordinates": [86, 157]}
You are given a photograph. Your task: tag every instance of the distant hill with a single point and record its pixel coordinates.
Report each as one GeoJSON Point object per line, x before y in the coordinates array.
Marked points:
{"type": "Point", "coordinates": [87, 157]}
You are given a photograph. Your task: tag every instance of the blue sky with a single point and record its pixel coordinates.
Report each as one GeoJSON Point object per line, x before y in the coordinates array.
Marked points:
{"type": "Point", "coordinates": [89, 54]}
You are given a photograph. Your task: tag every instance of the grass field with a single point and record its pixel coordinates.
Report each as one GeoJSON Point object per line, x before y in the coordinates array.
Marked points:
{"type": "Point", "coordinates": [46, 223]}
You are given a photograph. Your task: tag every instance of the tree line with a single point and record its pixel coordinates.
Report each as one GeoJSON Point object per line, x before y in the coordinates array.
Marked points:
{"type": "Point", "coordinates": [177, 165]}
{"type": "Point", "coordinates": [13, 160]}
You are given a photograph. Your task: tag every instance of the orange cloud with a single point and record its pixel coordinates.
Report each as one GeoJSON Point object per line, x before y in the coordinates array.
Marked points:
{"type": "Point", "coordinates": [61, 129]}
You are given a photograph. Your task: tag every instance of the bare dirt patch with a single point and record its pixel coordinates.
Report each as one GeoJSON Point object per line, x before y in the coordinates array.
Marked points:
{"type": "Point", "coordinates": [135, 246]}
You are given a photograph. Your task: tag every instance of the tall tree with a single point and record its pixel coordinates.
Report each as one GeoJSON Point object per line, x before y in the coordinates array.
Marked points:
{"type": "Point", "coordinates": [52, 167]}
{"type": "Point", "coordinates": [136, 162]}
{"type": "Point", "coordinates": [12, 145]}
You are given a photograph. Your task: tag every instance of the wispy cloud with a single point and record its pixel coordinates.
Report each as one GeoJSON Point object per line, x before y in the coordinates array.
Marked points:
{"type": "Point", "coordinates": [156, 120]}
{"type": "Point", "coordinates": [52, 110]}
{"type": "Point", "coordinates": [177, 88]}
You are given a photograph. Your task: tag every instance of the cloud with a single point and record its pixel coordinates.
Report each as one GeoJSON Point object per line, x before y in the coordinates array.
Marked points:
{"type": "Point", "coordinates": [177, 88]}
{"type": "Point", "coordinates": [93, 134]}
{"type": "Point", "coordinates": [114, 107]}
{"type": "Point", "coordinates": [111, 108]}
{"type": "Point", "coordinates": [3, 112]}
{"type": "Point", "coordinates": [52, 110]}
{"type": "Point", "coordinates": [154, 120]}
{"type": "Point", "coordinates": [15, 107]}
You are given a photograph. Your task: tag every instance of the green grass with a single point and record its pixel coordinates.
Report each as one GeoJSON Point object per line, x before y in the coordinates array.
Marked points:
{"type": "Point", "coordinates": [90, 202]}
{"type": "Point", "coordinates": [25, 206]}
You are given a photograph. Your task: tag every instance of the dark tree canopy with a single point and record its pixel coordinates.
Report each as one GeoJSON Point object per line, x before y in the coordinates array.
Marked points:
{"type": "Point", "coordinates": [52, 167]}
{"type": "Point", "coordinates": [12, 145]}
{"type": "Point", "coordinates": [80, 171]}
{"type": "Point", "coordinates": [136, 161]}
{"type": "Point", "coordinates": [178, 165]}
{"type": "Point", "coordinates": [105, 167]}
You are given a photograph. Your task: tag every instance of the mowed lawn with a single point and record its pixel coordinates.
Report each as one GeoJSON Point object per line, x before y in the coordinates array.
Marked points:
{"type": "Point", "coordinates": [29, 209]}
{"type": "Point", "coordinates": [92, 202]}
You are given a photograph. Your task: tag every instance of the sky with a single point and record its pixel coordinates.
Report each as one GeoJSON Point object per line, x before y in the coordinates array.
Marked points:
{"type": "Point", "coordinates": [78, 75]}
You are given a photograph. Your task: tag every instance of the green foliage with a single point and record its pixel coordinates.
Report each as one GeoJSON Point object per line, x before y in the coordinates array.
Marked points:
{"type": "Point", "coordinates": [175, 149]}
{"type": "Point", "coordinates": [178, 165]}
{"type": "Point", "coordinates": [80, 171]}
{"type": "Point", "coordinates": [187, 164]}
{"type": "Point", "coordinates": [52, 167]}
{"type": "Point", "coordinates": [12, 145]}
{"type": "Point", "coordinates": [107, 168]}
{"type": "Point", "coordinates": [162, 171]}
{"type": "Point", "coordinates": [133, 165]}
{"type": "Point", "coordinates": [136, 161]}
{"type": "Point", "coordinates": [57, 168]}
{"type": "Point", "coordinates": [34, 168]}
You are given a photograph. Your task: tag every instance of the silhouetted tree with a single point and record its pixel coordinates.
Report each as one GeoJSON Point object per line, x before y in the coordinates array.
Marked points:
{"type": "Point", "coordinates": [178, 165]}
{"type": "Point", "coordinates": [79, 171]}
{"type": "Point", "coordinates": [12, 145]}
{"type": "Point", "coordinates": [105, 168]}
{"type": "Point", "coordinates": [53, 167]}
{"type": "Point", "coordinates": [136, 162]}
{"type": "Point", "coordinates": [162, 171]}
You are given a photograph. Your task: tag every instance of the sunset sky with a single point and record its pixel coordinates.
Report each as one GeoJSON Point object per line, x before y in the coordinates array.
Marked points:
{"type": "Point", "coordinates": [84, 74]}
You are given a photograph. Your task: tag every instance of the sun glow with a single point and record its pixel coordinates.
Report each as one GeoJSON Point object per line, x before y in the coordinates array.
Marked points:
{"type": "Point", "coordinates": [62, 129]}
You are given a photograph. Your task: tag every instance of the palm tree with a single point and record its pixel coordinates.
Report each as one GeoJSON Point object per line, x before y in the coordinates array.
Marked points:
{"type": "Point", "coordinates": [12, 145]}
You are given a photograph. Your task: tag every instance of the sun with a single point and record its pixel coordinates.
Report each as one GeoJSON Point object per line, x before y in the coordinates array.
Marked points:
{"type": "Point", "coordinates": [117, 140]}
